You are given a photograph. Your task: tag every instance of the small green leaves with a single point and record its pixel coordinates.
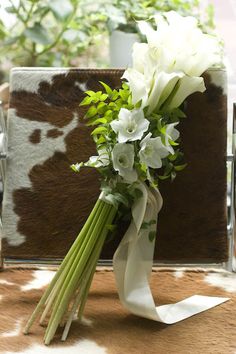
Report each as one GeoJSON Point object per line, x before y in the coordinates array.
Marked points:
{"type": "Point", "coordinates": [145, 225]}
{"type": "Point", "coordinates": [180, 167]}
{"type": "Point", "coordinates": [107, 88]}
{"type": "Point", "coordinates": [152, 236]}
{"type": "Point", "coordinates": [37, 34]}
{"type": "Point", "coordinates": [99, 130]}
{"type": "Point", "coordinates": [61, 9]}
{"type": "Point", "coordinates": [92, 111]}
{"type": "Point", "coordinates": [86, 101]}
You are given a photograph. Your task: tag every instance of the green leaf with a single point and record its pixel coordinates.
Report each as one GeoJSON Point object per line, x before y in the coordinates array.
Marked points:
{"type": "Point", "coordinates": [163, 177]}
{"type": "Point", "coordinates": [179, 113]}
{"type": "Point", "coordinates": [61, 9]}
{"type": "Point", "coordinates": [10, 9]}
{"type": "Point", "coordinates": [114, 95]}
{"type": "Point", "coordinates": [90, 93]}
{"type": "Point", "coordinates": [180, 167]}
{"type": "Point", "coordinates": [145, 225]}
{"type": "Point", "coordinates": [152, 236]}
{"type": "Point", "coordinates": [98, 121]}
{"type": "Point", "coordinates": [86, 101]}
{"type": "Point", "coordinates": [101, 140]}
{"type": "Point", "coordinates": [124, 94]}
{"type": "Point", "coordinates": [173, 157]}
{"type": "Point", "coordinates": [37, 34]}
{"type": "Point", "coordinates": [92, 111]}
{"type": "Point", "coordinates": [103, 97]}
{"type": "Point", "coordinates": [173, 143]}
{"type": "Point", "coordinates": [107, 88]}
{"type": "Point", "coordinates": [101, 107]}
{"type": "Point", "coordinates": [99, 130]}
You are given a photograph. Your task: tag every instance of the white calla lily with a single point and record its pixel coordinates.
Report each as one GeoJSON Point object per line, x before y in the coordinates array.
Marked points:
{"type": "Point", "coordinates": [123, 161]}
{"type": "Point", "coordinates": [178, 38]}
{"type": "Point", "coordinates": [131, 125]}
{"type": "Point", "coordinates": [152, 150]}
{"type": "Point", "coordinates": [138, 86]}
{"type": "Point", "coordinates": [163, 85]}
{"type": "Point", "coordinates": [185, 87]}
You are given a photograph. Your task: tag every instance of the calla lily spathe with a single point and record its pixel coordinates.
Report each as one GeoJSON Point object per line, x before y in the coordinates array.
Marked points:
{"type": "Point", "coordinates": [161, 77]}
{"type": "Point", "coordinates": [178, 38]}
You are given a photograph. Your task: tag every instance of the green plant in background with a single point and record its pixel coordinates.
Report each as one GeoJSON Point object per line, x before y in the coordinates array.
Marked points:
{"type": "Point", "coordinates": [121, 14]}
{"type": "Point", "coordinates": [46, 33]}
{"type": "Point", "coordinates": [71, 32]}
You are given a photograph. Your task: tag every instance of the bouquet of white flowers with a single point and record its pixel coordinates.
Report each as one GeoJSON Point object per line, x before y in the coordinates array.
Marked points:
{"type": "Point", "coordinates": [137, 140]}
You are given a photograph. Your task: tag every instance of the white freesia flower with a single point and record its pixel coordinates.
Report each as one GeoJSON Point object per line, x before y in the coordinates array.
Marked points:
{"type": "Point", "coordinates": [152, 151]}
{"type": "Point", "coordinates": [123, 161]}
{"type": "Point", "coordinates": [171, 134]}
{"type": "Point", "coordinates": [99, 161]}
{"type": "Point", "coordinates": [131, 125]}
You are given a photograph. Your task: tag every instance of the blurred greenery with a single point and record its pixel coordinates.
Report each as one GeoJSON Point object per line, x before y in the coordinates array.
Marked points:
{"type": "Point", "coordinates": [69, 32]}
{"type": "Point", "coordinates": [123, 14]}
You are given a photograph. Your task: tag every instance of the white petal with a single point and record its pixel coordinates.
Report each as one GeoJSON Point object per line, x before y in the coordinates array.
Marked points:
{"type": "Point", "coordinates": [129, 175]}
{"type": "Point", "coordinates": [163, 86]}
{"type": "Point", "coordinates": [186, 86]}
{"type": "Point", "coordinates": [137, 86]}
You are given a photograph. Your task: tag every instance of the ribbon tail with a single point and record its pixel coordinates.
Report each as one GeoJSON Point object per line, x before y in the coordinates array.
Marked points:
{"type": "Point", "coordinates": [132, 265]}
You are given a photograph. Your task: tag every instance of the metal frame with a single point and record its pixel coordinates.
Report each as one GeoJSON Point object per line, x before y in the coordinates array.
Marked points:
{"type": "Point", "coordinates": [230, 265]}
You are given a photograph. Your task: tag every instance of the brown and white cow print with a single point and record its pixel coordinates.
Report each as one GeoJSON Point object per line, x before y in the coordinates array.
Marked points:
{"type": "Point", "coordinates": [108, 328]}
{"type": "Point", "coordinates": [45, 203]}
{"type": "Point", "coordinates": [46, 134]}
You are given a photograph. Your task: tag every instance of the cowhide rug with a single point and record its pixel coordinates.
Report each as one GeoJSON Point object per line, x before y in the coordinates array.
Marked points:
{"type": "Point", "coordinates": [108, 328]}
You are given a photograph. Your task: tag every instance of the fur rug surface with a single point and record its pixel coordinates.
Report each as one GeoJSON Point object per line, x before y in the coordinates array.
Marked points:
{"type": "Point", "coordinates": [108, 328]}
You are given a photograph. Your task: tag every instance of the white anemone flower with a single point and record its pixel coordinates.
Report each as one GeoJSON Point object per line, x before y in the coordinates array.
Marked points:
{"type": "Point", "coordinates": [123, 161]}
{"type": "Point", "coordinates": [131, 125]}
{"type": "Point", "coordinates": [101, 160]}
{"type": "Point", "coordinates": [152, 150]}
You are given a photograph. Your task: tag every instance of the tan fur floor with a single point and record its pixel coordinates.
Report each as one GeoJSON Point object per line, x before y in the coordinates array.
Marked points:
{"type": "Point", "coordinates": [109, 329]}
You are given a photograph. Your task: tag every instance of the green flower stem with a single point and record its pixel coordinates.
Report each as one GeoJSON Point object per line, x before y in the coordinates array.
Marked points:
{"type": "Point", "coordinates": [75, 272]}
{"type": "Point", "coordinates": [89, 271]}
{"type": "Point", "coordinates": [83, 236]}
{"type": "Point", "coordinates": [67, 278]}
{"type": "Point", "coordinates": [68, 258]}
{"type": "Point", "coordinates": [103, 237]}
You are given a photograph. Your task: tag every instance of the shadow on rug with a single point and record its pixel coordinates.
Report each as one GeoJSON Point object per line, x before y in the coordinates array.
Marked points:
{"type": "Point", "coordinates": [109, 329]}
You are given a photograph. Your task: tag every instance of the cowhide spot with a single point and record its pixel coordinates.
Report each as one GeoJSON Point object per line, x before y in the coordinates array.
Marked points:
{"type": "Point", "coordinates": [225, 281]}
{"type": "Point", "coordinates": [35, 137]}
{"type": "Point", "coordinates": [40, 279]}
{"type": "Point", "coordinates": [54, 133]}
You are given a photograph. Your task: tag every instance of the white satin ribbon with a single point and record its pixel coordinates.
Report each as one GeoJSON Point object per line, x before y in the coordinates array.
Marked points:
{"type": "Point", "coordinates": [133, 261]}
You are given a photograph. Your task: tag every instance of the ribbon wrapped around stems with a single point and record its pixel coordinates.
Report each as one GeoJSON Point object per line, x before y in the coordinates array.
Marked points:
{"type": "Point", "coordinates": [133, 261]}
